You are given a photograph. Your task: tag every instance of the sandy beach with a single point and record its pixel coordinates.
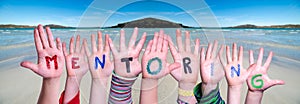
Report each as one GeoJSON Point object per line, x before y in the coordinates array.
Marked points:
{"type": "Point", "coordinates": [20, 85]}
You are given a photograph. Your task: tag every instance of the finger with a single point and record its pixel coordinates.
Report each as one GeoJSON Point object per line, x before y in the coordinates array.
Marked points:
{"type": "Point", "coordinates": [196, 50]}
{"type": "Point", "coordinates": [148, 48]}
{"type": "Point", "coordinates": [112, 47]}
{"type": "Point", "coordinates": [173, 66]}
{"type": "Point", "coordinates": [208, 51]}
{"type": "Point", "coordinates": [172, 48]}
{"type": "Point", "coordinates": [100, 41]}
{"type": "Point", "coordinates": [122, 40]}
{"type": "Point", "coordinates": [86, 48]}
{"type": "Point", "coordinates": [228, 55]}
{"type": "Point", "coordinates": [140, 45]}
{"type": "Point", "coordinates": [160, 41]}
{"type": "Point", "coordinates": [71, 45]}
{"type": "Point", "coordinates": [133, 38]}
{"type": "Point", "coordinates": [43, 37]}
{"type": "Point", "coordinates": [268, 61]}
{"type": "Point", "coordinates": [234, 52]}
{"type": "Point", "coordinates": [202, 56]}
{"type": "Point", "coordinates": [82, 50]}
{"type": "Point", "coordinates": [58, 43]}
{"type": "Point", "coordinates": [179, 40]}
{"type": "Point", "coordinates": [277, 82]}
{"type": "Point", "coordinates": [77, 46]}
{"type": "Point", "coordinates": [153, 48]}
{"type": "Point", "coordinates": [50, 38]}
{"type": "Point", "coordinates": [250, 69]}
{"type": "Point", "coordinates": [30, 66]}
{"type": "Point", "coordinates": [260, 56]}
{"type": "Point", "coordinates": [214, 51]}
{"type": "Point", "coordinates": [241, 54]}
{"type": "Point", "coordinates": [251, 58]}
{"type": "Point", "coordinates": [94, 49]}
{"type": "Point", "coordinates": [165, 44]}
{"type": "Point", "coordinates": [221, 56]}
{"type": "Point", "coordinates": [106, 48]}
{"type": "Point", "coordinates": [37, 40]}
{"type": "Point", "coordinates": [64, 49]}
{"type": "Point", "coordinates": [187, 41]}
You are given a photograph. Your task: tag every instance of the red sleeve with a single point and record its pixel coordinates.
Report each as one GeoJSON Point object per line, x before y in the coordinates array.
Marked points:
{"type": "Point", "coordinates": [75, 100]}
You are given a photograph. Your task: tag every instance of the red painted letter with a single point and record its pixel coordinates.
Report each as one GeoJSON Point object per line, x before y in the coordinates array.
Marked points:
{"type": "Point", "coordinates": [48, 59]}
{"type": "Point", "coordinates": [74, 63]}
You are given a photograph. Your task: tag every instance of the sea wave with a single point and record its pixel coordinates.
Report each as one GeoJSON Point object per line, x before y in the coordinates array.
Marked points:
{"type": "Point", "coordinates": [16, 46]}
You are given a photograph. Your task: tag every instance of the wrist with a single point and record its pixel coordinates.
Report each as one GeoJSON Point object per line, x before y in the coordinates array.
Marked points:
{"type": "Point", "coordinates": [234, 94]}
{"type": "Point", "coordinates": [102, 81]}
{"type": "Point", "coordinates": [186, 85]}
{"type": "Point", "coordinates": [149, 83]}
{"type": "Point", "coordinates": [208, 87]}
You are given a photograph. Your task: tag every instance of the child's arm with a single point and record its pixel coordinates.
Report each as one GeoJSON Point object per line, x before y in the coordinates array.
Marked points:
{"type": "Point", "coordinates": [77, 67]}
{"type": "Point", "coordinates": [127, 67]}
{"type": "Point", "coordinates": [49, 66]}
{"type": "Point", "coordinates": [187, 74]}
{"type": "Point", "coordinates": [211, 72]}
{"type": "Point", "coordinates": [100, 67]}
{"type": "Point", "coordinates": [154, 67]}
{"type": "Point", "coordinates": [258, 81]}
{"type": "Point", "coordinates": [235, 74]}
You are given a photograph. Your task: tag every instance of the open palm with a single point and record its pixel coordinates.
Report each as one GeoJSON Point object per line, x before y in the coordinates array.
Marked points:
{"type": "Point", "coordinates": [188, 72]}
{"type": "Point", "coordinates": [154, 62]}
{"type": "Point", "coordinates": [211, 70]}
{"type": "Point", "coordinates": [102, 52]}
{"type": "Point", "coordinates": [51, 61]}
{"type": "Point", "coordinates": [258, 79]}
{"type": "Point", "coordinates": [127, 55]}
{"type": "Point", "coordinates": [77, 65]}
{"type": "Point", "coordinates": [234, 71]}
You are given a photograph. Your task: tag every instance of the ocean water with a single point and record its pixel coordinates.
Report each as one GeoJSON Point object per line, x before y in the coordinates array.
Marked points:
{"type": "Point", "coordinates": [18, 44]}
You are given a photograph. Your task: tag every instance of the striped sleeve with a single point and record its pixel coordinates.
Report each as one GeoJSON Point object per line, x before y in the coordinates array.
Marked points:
{"type": "Point", "coordinates": [120, 90]}
{"type": "Point", "coordinates": [213, 97]}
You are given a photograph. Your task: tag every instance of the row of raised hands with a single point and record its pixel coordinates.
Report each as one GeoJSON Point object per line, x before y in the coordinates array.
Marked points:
{"type": "Point", "coordinates": [125, 68]}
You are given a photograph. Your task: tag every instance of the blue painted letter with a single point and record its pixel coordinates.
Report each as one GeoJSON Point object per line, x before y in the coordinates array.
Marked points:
{"type": "Point", "coordinates": [97, 60]}
{"type": "Point", "coordinates": [236, 71]}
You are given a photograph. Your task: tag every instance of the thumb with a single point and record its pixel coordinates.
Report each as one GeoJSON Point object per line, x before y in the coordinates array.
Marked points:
{"type": "Point", "coordinates": [277, 82]}
{"type": "Point", "coordinates": [174, 66]}
{"type": "Point", "coordinates": [30, 66]}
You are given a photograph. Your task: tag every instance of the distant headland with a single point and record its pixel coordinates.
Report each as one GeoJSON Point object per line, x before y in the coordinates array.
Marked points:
{"type": "Point", "coordinates": [28, 26]}
{"type": "Point", "coordinates": [155, 23]}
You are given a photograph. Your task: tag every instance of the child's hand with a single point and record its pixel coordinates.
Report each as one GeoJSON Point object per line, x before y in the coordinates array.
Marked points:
{"type": "Point", "coordinates": [126, 59]}
{"type": "Point", "coordinates": [211, 70]}
{"type": "Point", "coordinates": [235, 74]}
{"type": "Point", "coordinates": [51, 60]}
{"type": "Point", "coordinates": [99, 60]}
{"type": "Point", "coordinates": [76, 62]}
{"type": "Point", "coordinates": [188, 72]}
{"type": "Point", "coordinates": [154, 62]}
{"type": "Point", "coordinates": [258, 79]}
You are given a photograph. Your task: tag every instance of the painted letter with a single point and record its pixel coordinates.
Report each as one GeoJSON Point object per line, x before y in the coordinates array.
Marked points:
{"type": "Point", "coordinates": [259, 81]}
{"type": "Point", "coordinates": [74, 63]}
{"type": "Point", "coordinates": [48, 59]}
{"type": "Point", "coordinates": [97, 60]}
{"type": "Point", "coordinates": [186, 62]}
{"type": "Point", "coordinates": [158, 69]}
{"type": "Point", "coordinates": [236, 71]}
{"type": "Point", "coordinates": [126, 60]}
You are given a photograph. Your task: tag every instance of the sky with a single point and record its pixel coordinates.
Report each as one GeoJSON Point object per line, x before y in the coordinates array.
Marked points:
{"type": "Point", "coordinates": [226, 12]}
